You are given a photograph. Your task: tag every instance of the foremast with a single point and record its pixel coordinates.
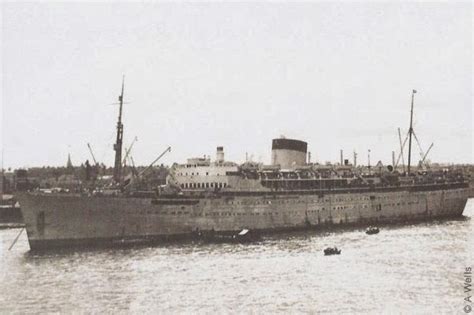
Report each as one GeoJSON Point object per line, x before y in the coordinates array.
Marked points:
{"type": "Point", "coordinates": [119, 140]}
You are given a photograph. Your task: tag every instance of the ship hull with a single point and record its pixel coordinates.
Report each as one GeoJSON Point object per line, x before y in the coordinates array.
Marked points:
{"type": "Point", "coordinates": [54, 221]}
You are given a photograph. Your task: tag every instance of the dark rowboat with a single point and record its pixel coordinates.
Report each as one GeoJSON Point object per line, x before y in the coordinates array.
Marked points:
{"type": "Point", "coordinates": [331, 251]}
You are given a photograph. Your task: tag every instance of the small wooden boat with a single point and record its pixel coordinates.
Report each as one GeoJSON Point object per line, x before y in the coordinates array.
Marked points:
{"type": "Point", "coordinates": [331, 251]}
{"type": "Point", "coordinates": [372, 230]}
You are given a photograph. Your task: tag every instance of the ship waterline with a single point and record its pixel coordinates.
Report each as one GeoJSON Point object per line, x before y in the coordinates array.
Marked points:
{"type": "Point", "coordinates": [74, 220]}
{"type": "Point", "coordinates": [203, 196]}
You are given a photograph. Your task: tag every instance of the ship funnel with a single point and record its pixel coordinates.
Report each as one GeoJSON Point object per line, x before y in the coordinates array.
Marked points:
{"type": "Point", "coordinates": [289, 153]}
{"type": "Point", "coordinates": [220, 154]}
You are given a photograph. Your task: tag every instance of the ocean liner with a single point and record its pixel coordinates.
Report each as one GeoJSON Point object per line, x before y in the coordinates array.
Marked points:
{"type": "Point", "coordinates": [204, 196]}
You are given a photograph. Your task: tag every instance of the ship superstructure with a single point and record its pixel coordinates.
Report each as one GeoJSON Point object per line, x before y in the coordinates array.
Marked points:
{"type": "Point", "coordinates": [201, 173]}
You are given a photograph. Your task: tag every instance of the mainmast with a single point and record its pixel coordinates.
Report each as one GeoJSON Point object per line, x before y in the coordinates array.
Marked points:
{"type": "Point", "coordinates": [410, 131]}
{"type": "Point", "coordinates": [118, 142]}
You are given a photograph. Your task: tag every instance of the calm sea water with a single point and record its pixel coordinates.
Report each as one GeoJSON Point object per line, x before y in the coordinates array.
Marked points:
{"type": "Point", "coordinates": [411, 268]}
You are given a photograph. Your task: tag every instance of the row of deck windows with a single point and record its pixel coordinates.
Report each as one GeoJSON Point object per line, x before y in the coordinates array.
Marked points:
{"type": "Point", "coordinates": [201, 165]}
{"type": "Point", "coordinates": [245, 202]}
{"type": "Point", "coordinates": [203, 185]}
{"type": "Point", "coordinates": [272, 213]}
{"type": "Point", "coordinates": [197, 173]}
{"type": "Point", "coordinates": [249, 202]}
{"type": "Point", "coordinates": [213, 214]}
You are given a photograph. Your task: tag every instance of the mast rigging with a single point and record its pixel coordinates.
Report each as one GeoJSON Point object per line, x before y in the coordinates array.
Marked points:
{"type": "Point", "coordinates": [410, 131]}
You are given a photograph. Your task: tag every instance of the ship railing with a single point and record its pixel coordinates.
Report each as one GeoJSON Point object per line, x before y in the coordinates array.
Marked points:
{"type": "Point", "coordinates": [360, 189]}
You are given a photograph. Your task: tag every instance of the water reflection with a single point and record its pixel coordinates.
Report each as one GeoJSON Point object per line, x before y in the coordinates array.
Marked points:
{"type": "Point", "coordinates": [404, 268]}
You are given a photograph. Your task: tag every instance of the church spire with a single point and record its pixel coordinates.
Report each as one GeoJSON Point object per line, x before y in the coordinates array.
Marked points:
{"type": "Point", "coordinates": [69, 163]}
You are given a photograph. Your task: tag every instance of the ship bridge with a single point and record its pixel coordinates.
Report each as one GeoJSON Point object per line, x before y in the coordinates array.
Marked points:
{"type": "Point", "coordinates": [202, 173]}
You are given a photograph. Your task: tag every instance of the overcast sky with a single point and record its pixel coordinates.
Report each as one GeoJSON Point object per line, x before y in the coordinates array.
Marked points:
{"type": "Point", "coordinates": [337, 75]}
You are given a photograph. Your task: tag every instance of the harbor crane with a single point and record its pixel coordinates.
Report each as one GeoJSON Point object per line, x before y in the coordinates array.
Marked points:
{"type": "Point", "coordinates": [153, 163]}
{"type": "Point", "coordinates": [92, 153]}
{"type": "Point", "coordinates": [127, 151]}
{"type": "Point", "coordinates": [134, 169]}
{"type": "Point", "coordinates": [401, 150]}
{"type": "Point", "coordinates": [142, 173]}
{"type": "Point", "coordinates": [426, 154]}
